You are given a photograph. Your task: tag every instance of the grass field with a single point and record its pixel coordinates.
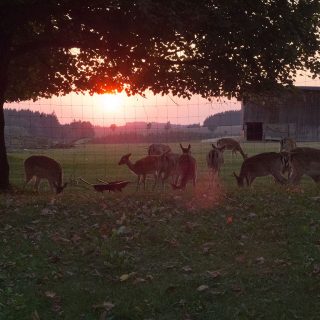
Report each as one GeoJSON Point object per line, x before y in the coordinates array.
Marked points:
{"type": "Point", "coordinates": [199, 254]}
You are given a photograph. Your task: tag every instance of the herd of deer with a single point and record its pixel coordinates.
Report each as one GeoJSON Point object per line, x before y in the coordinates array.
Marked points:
{"type": "Point", "coordinates": [286, 166]}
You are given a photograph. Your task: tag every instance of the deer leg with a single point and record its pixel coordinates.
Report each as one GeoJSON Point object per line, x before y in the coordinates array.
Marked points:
{"type": "Point", "coordinates": [210, 178]}
{"type": "Point", "coordinates": [315, 178]}
{"type": "Point", "coordinates": [138, 182]}
{"type": "Point", "coordinates": [144, 182]}
{"type": "Point", "coordinates": [36, 185]}
{"type": "Point", "coordinates": [295, 177]}
{"type": "Point", "coordinates": [28, 178]}
{"type": "Point", "coordinates": [279, 178]}
{"type": "Point", "coordinates": [156, 178]}
{"type": "Point", "coordinates": [51, 186]}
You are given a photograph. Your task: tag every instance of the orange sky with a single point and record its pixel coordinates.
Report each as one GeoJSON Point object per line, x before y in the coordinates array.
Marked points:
{"type": "Point", "coordinates": [119, 109]}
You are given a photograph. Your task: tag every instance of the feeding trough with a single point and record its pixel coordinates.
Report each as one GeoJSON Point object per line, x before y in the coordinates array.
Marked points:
{"type": "Point", "coordinates": [114, 186]}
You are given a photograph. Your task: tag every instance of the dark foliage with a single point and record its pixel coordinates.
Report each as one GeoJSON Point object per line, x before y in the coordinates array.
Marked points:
{"type": "Point", "coordinates": [227, 118]}
{"type": "Point", "coordinates": [42, 125]}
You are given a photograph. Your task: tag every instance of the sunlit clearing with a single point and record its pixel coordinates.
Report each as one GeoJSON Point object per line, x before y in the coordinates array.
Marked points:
{"type": "Point", "coordinates": [111, 102]}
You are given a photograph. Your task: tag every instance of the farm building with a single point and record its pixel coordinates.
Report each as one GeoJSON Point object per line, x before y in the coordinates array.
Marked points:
{"type": "Point", "coordinates": [293, 114]}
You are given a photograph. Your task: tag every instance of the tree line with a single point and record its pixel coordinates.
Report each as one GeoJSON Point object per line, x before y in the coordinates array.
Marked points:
{"type": "Point", "coordinates": [227, 118]}
{"type": "Point", "coordinates": [38, 124]}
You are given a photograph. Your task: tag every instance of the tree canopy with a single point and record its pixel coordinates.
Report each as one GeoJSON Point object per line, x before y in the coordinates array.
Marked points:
{"type": "Point", "coordinates": [206, 47]}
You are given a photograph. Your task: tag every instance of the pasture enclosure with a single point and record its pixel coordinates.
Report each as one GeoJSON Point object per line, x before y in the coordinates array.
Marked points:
{"type": "Point", "coordinates": [250, 253]}
{"type": "Point", "coordinates": [92, 162]}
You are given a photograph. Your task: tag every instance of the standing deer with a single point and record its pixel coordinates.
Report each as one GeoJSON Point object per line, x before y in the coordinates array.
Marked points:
{"type": "Point", "coordinates": [231, 144]}
{"type": "Point", "coordinates": [143, 167]}
{"type": "Point", "coordinates": [287, 144]}
{"type": "Point", "coordinates": [187, 169]}
{"type": "Point", "coordinates": [214, 162]}
{"type": "Point", "coordinates": [304, 161]}
{"type": "Point", "coordinates": [158, 149]}
{"type": "Point", "coordinates": [43, 167]}
{"type": "Point", "coordinates": [263, 164]}
{"type": "Point", "coordinates": [168, 167]}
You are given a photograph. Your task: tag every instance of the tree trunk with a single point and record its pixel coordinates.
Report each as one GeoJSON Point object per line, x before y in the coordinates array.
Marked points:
{"type": "Point", "coordinates": [4, 165]}
{"type": "Point", "coordinates": [4, 62]}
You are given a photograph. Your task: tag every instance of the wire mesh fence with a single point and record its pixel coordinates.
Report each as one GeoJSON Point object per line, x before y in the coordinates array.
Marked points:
{"type": "Point", "coordinates": [89, 134]}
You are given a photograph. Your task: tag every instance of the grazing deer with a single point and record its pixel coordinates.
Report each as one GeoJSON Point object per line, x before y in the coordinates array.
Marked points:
{"type": "Point", "coordinates": [231, 144]}
{"type": "Point", "coordinates": [158, 149]}
{"type": "Point", "coordinates": [214, 162]}
{"type": "Point", "coordinates": [168, 167]}
{"type": "Point", "coordinates": [143, 167]}
{"type": "Point", "coordinates": [43, 167]}
{"type": "Point", "coordinates": [187, 169]}
{"type": "Point", "coordinates": [287, 144]}
{"type": "Point", "coordinates": [304, 161]}
{"type": "Point", "coordinates": [263, 164]}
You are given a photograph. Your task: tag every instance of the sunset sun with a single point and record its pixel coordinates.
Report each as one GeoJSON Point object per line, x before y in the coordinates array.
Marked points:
{"type": "Point", "coordinates": [111, 102]}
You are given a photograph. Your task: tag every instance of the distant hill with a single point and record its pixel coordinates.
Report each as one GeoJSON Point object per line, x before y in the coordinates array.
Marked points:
{"type": "Point", "coordinates": [227, 118]}
{"type": "Point", "coordinates": [140, 131]}
{"type": "Point", "coordinates": [30, 129]}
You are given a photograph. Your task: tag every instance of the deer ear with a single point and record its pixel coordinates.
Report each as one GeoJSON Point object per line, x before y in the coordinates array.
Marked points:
{"type": "Point", "coordinates": [189, 146]}
{"type": "Point", "coordinates": [181, 146]}
{"type": "Point", "coordinates": [222, 148]}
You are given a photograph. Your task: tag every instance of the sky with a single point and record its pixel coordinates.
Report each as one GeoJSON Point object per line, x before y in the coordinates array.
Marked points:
{"type": "Point", "coordinates": [119, 109]}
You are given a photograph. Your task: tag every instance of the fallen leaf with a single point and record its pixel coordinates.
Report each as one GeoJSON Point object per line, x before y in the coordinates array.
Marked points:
{"type": "Point", "coordinates": [236, 288]}
{"type": "Point", "coordinates": [240, 259]}
{"type": "Point", "coordinates": [126, 276]}
{"type": "Point", "coordinates": [229, 220]}
{"type": "Point", "coordinates": [107, 305]}
{"type": "Point", "coordinates": [260, 260]}
{"type": "Point", "coordinates": [75, 238]}
{"type": "Point", "coordinates": [214, 274]}
{"type": "Point", "coordinates": [203, 287]}
{"type": "Point", "coordinates": [50, 294]}
{"type": "Point", "coordinates": [187, 269]}
{"type": "Point", "coordinates": [171, 288]}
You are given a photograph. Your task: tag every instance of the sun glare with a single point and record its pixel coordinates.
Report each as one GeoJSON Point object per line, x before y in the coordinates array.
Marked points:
{"type": "Point", "coordinates": [111, 102]}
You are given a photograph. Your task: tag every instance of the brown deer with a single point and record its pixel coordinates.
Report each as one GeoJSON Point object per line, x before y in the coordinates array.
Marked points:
{"type": "Point", "coordinates": [214, 162]}
{"type": "Point", "coordinates": [187, 169]}
{"type": "Point", "coordinates": [169, 167]}
{"type": "Point", "coordinates": [263, 164]}
{"type": "Point", "coordinates": [43, 167]}
{"type": "Point", "coordinates": [287, 144]}
{"type": "Point", "coordinates": [143, 167]}
{"type": "Point", "coordinates": [304, 161]}
{"type": "Point", "coordinates": [231, 144]}
{"type": "Point", "coordinates": [158, 149]}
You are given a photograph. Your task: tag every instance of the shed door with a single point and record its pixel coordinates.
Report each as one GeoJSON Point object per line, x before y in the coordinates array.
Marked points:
{"type": "Point", "coordinates": [254, 131]}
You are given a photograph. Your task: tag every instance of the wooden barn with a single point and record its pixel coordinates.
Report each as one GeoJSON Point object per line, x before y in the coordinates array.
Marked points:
{"type": "Point", "coordinates": [293, 114]}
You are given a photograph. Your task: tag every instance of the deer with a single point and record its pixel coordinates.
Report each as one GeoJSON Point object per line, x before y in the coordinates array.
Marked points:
{"type": "Point", "coordinates": [263, 164]}
{"type": "Point", "coordinates": [233, 145]}
{"type": "Point", "coordinates": [215, 161]}
{"type": "Point", "coordinates": [287, 144]}
{"type": "Point", "coordinates": [43, 167]}
{"type": "Point", "coordinates": [143, 167]}
{"type": "Point", "coordinates": [158, 149]}
{"type": "Point", "coordinates": [168, 167]}
{"type": "Point", "coordinates": [187, 169]}
{"type": "Point", "coordinates": [304, 161]}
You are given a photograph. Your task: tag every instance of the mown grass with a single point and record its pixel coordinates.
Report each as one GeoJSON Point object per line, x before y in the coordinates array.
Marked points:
{"type": "Point", "coordinates": [224, 253]}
